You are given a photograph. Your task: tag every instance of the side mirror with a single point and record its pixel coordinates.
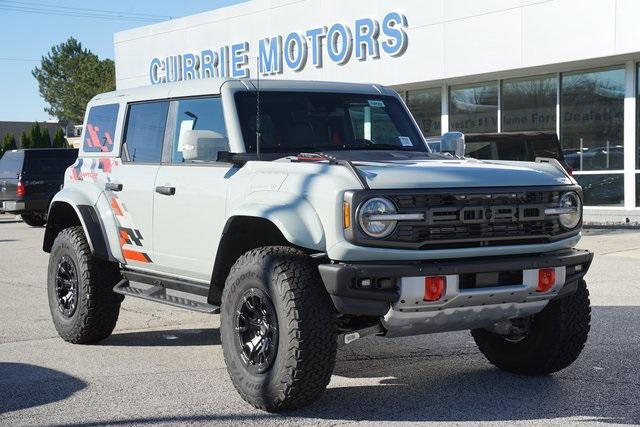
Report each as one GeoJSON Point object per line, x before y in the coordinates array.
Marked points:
{"type": "Point", "coordinates": [453, 143]}
{"type": "Point", "coordinates": [203, 145]}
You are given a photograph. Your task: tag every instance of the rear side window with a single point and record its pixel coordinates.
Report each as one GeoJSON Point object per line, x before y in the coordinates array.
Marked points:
{"type": "Point", "coordinates": [100, 128]}
{"type": "Point", "coordinates": [145, 132]}
{"type": "Point", "coordinates": [11, 164]}
{"type": "Point", "coordinates": [50, 162]}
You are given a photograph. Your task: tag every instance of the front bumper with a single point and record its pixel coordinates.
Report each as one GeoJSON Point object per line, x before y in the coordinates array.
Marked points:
{"type": "Point", "coordinates": [405, 313]}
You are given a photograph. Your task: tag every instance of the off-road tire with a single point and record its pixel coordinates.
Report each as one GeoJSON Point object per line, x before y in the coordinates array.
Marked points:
{"type": "Point", "coordinates": [306, 329]}
{"type": "Point", "coordinates": [34, 219]}
{"type": "Point", "coordinates": [98, 306]}
{"type": "Point", "coordinates": [556, 338]}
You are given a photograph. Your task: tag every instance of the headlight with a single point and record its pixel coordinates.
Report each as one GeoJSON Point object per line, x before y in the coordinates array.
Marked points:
{"type": "Point", "coordinates": [571, 208]}
{"type": "Point", "coordinates": [371, 217]}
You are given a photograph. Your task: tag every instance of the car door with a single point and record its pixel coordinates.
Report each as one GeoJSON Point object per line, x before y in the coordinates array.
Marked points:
{"type": "Point", "coordinates": [190, 202]}
{"type": "Point", "coordinates": [132, 183]}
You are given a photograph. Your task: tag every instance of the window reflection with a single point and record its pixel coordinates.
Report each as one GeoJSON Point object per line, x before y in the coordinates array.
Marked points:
{"type": "Point", "coordinates": [529, 104]}
{"type": "Point", "coordinates": [602, 189]}
{"type": "Point", "coordinates": [474, 108]}
{"type": "Point", "coordinates": [592, 114]}
{"type": "Point", "coordinates": [426, 108]}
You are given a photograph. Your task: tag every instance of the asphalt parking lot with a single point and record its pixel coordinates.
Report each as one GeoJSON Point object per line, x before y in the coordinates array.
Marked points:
{"type": "Point", "coordinates": [164, 365]}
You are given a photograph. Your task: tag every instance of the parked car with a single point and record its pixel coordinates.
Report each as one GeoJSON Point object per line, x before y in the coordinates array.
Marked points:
{"type": "Point", "coordinates": [518, 146]}
{"type": "Point", "coordinates": [30, 178]}
{"type": "Point", "coordinates": [308, 217]}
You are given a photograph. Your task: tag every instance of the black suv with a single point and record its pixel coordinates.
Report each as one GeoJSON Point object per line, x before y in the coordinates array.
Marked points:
{"type": "Point", "coordinates": [30, 178]}
{"type": "Point", "coordinates": [519, 146]}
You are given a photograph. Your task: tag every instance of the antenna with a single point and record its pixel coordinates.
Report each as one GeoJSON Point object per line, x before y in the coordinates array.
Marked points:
{"type": "Point", "coordinates": [258, 135]}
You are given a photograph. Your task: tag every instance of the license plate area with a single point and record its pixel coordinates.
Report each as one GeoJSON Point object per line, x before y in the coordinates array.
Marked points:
{"type": "Point", "coordinates": [490, 280]}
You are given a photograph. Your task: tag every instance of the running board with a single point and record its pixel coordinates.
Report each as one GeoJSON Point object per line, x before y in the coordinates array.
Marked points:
{"type": "Point", "coordinates": [159, 294]}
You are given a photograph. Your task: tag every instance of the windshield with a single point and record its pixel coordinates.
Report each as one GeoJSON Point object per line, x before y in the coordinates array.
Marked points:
{"type": "Point", "coordinates": [307, 122]}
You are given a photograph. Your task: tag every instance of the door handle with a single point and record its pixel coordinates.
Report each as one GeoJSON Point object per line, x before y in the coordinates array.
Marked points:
{"type": "Point", "coordinates": [113, 186]}
{"type": "Point", "coordinates": [167, 191]}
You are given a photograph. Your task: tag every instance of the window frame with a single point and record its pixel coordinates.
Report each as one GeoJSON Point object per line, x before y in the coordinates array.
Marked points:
{"type": "Point", "coordinates": [125, 128]}
{"type": "Point", "coordinates": [83, 133]}
{"type": "Point", "coordinates": [172, 112]}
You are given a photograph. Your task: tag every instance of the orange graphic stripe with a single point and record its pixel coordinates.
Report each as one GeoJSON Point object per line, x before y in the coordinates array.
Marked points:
{"type": "Point", "coordinates": [135, 256]}
{"type": "Point", "coordinates": [116, 207]}
{"type": "Point", "coordinates": [124, 238]}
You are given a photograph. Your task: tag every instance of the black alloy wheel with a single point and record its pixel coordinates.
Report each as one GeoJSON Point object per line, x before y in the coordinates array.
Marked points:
{"type": "Point", "coordinates": [256, 330]}
{"type": "Point", "coordinates": [67, 286]}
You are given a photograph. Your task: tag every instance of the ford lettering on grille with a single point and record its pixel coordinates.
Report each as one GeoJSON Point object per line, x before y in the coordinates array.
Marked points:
{"type": "Point", "coordinates": [485, 214]}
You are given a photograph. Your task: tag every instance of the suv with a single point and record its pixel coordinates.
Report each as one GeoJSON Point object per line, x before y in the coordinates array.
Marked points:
{"type": "Point", "coordinates": [520, 146]}
{"type": "Point", "coordinates": [30, 178]}
{"type": "Point", "coordinates": [309, 215]}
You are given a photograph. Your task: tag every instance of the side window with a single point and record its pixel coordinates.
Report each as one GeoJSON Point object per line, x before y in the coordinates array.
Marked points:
{"type": "Point", "coordinates": [199, 114]}
{"type": "Point", "coordinates": [145, 132]}
{"type": "Point", "coordinates": [100, 128]}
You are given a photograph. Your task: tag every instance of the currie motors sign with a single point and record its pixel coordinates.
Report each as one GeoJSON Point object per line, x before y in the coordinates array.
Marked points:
{"type": "Point", "coordinates": [366, 39]}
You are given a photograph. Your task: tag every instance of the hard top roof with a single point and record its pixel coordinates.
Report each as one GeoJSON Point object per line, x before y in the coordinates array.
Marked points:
{"type": "Point", "coordinates": [213, 86]}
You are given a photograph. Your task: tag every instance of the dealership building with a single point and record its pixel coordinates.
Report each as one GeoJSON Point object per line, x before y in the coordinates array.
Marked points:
{"type": "Point", "coordinates": [569, 66]}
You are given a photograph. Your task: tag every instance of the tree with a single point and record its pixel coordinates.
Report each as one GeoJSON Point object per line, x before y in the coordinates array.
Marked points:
{"type": "Point", "coordinates": [39, 137]}
{"type": "Point", "coordinates": [59, 140]}
{"type": "Point", "coordinates": [25, 142]}
{"type": "Point", "coordinates": [45, 138]}
{"type": "Point", "coordinates": [69, 76]}
{"type": "Point", "coordinates": [8, 143]}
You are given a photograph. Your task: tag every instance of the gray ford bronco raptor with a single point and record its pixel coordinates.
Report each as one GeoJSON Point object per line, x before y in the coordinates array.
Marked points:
{"type": "Point", "coordinates": [309, 215]}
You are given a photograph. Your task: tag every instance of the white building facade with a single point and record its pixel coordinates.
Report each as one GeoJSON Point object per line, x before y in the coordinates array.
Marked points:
{"type": "Point", "coordinates": [569, 66]}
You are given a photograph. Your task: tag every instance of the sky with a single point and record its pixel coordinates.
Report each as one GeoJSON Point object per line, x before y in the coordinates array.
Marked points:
{"type": "Point", "coordinates": [27, 32]}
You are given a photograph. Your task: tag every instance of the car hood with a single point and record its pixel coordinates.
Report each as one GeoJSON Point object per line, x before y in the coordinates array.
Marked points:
{"type": "Point", "coordinates": [459, 174]}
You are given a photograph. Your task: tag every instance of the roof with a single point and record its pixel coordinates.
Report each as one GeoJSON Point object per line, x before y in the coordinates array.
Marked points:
{"type": "Point", "coordinates": [213, 86]}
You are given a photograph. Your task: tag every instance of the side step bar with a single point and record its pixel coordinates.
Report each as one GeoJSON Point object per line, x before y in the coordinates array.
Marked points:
{"type": "Point", "coordinates": [159, 294]}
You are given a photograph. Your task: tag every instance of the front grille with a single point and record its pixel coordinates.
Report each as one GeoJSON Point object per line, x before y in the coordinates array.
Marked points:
{"type": "Point", "coordinates": [476, 218]}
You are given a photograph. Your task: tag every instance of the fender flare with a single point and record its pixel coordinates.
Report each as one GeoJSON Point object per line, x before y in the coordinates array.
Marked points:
{"type": "Point", "coordinates": [86, 216]}
{"type": "Point", "coordinates": [292, 214]}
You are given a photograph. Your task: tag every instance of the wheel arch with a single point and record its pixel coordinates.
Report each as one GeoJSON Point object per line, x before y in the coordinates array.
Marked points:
{"type": "Point", "coordinates": [241, 234]}
{"type": "Point", "coordinates": [64, 214]}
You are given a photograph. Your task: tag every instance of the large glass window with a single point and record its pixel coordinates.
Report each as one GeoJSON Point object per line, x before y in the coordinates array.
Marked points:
{"type": "Point", "coordinates": [426, 108]}
{"type": "Point", "coordinates": [602, 189]}
{"type": "Point", "coordinates": [196, 114]}
{"type": "Point", "coordinates": [474, 108]}
{"type": "Point", "coordinates": [100, 128]}
{"type": "Point", "coordinates": [592, 115]}
{"type": "Point", "coordinates": [529, 104]}
{"type": "Point", "coordinates": [638, 135]}
{"type": "Point", "coordinates": [299, 122]}
{"type": "Point", "coordinates": [145, 132]}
